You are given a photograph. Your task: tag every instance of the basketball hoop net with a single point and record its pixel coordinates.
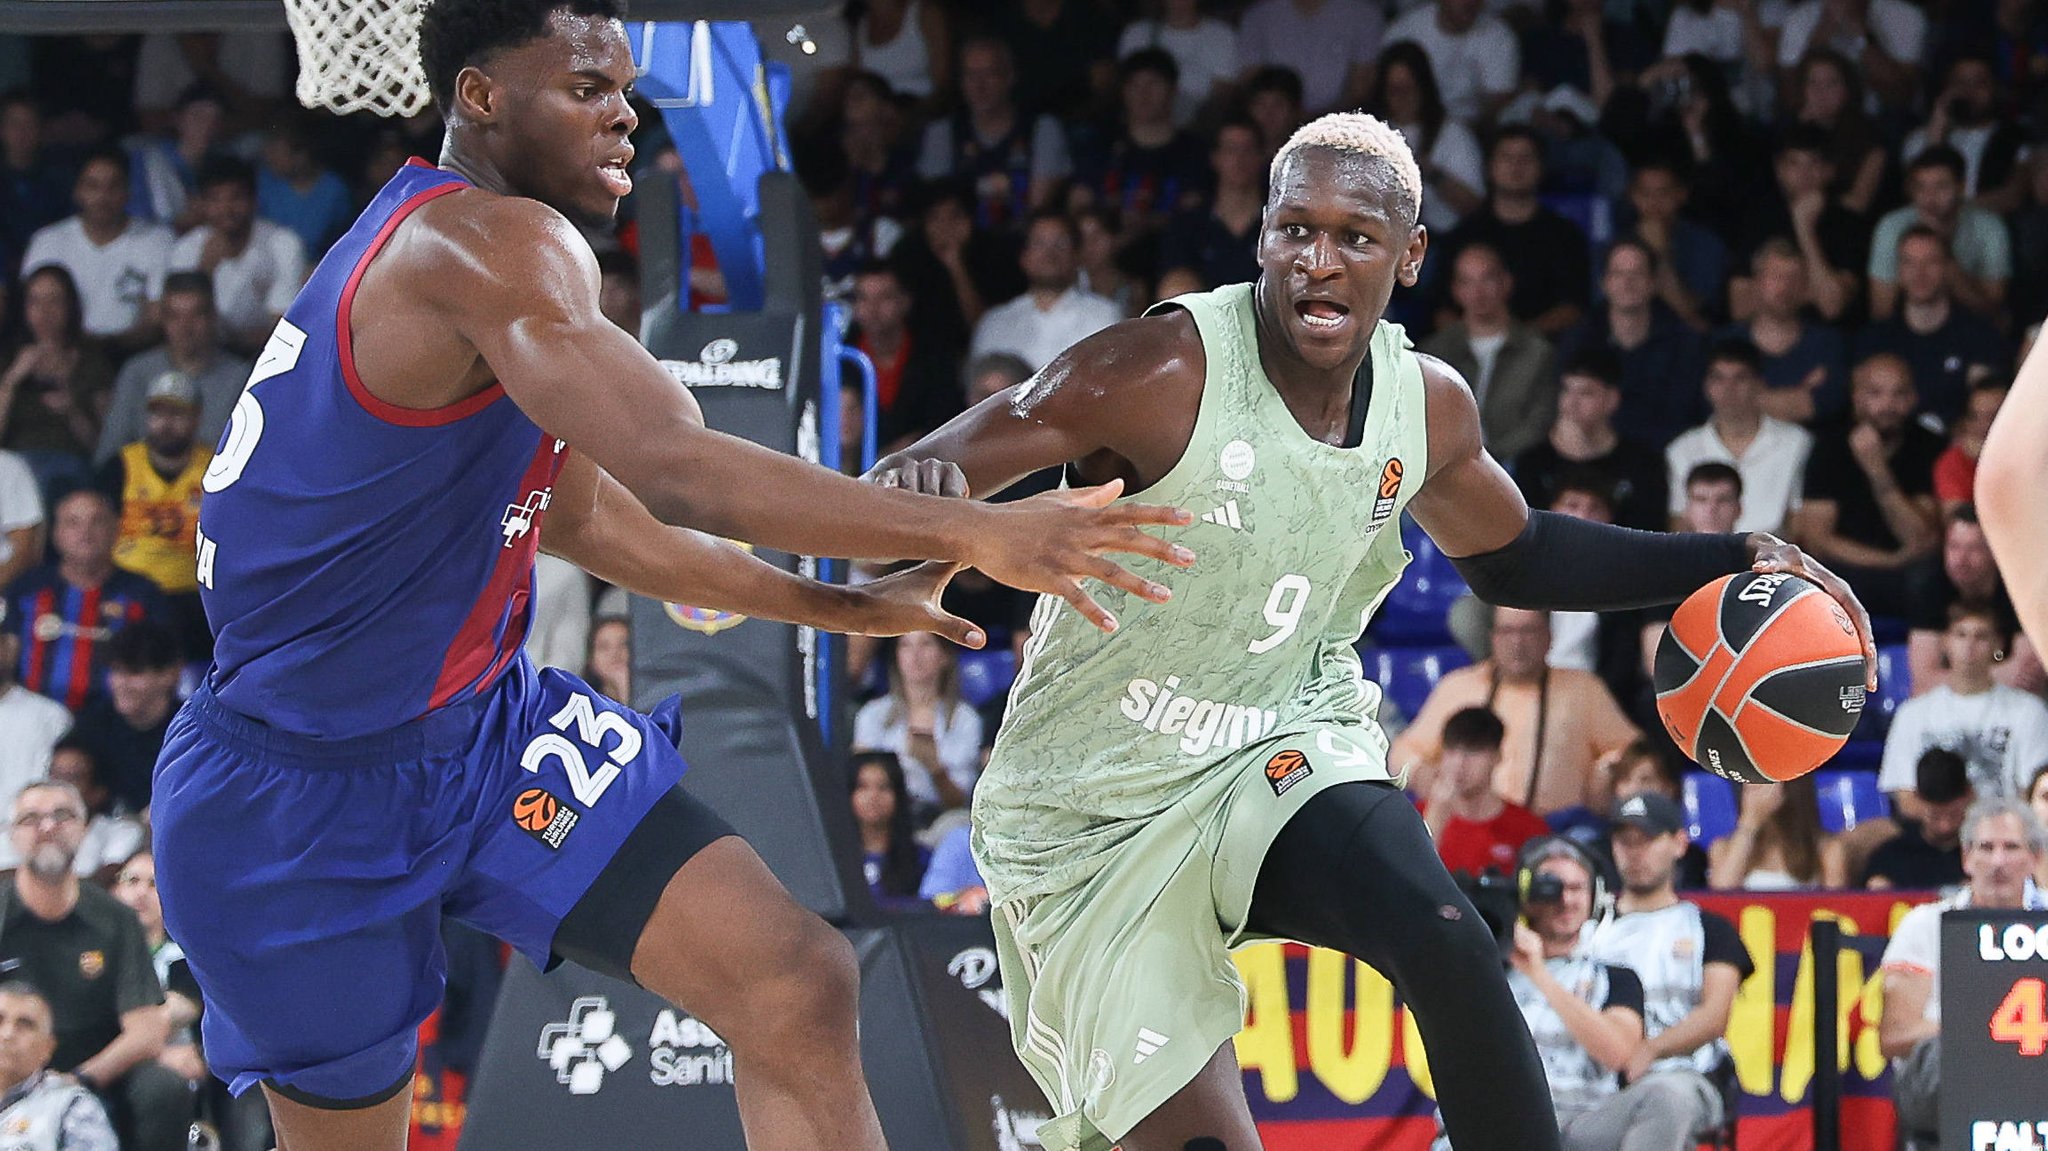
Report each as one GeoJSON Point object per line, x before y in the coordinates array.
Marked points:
{"type": "Point", "coordinates": [359, 55]}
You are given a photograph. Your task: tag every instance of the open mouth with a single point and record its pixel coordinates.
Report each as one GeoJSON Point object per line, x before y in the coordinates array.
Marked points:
{"type": "Point", "coordinates": [613, 173]}
{"type": "Point", "coordinates": [1323, 314]}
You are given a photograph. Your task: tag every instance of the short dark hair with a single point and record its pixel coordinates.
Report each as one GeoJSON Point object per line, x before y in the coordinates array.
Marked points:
{"type": "Point", "coordinates": [1061, 218]}
{"type": "Point", "coordinates": [1921, 232]}
{"type": "Point", "coordinates": [1941, 776]}
{"type": "Point", "coordinates": [1736, 350]}
{"type": "Point", "coordinates": [1983, 611]}
{"type": "Point", "coordinates": [106, 154]}
{"type": "Point", "coordinates": [1631, 240]}
{"type": "Point", "coordinates": [1939, 156]}
{"type": "Point", "coordinates": [1474, 729]}
{"type": "Point", "coordinates": [228, 170]}
{"type": "Point", "coordinates": [1155, 60]}
{"type": "Point", "coordinates": [192, 281]}
{"type": "Point", "coordinates": [143, 646]}
{"type": "Point", "coordinates": [1514, 132]}
{"type": "Point", "coordinates": [1965, 513]}
{"type": "Point", "coordinates": [1275, 78]}
{"type": "Point", "coordinates": [76, 742]}
{"type": "Point", "coordinates": [1714, 472]}
{"type": "Point", "coordinates": [1602, 364]}
{"type": "Point", "coordinates": [455, 34]}
{"type": "Point", "coordinates": [1805, 137]}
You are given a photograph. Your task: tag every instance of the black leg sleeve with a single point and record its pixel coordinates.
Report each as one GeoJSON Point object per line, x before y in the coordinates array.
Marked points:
{"type": "Point", "coordinates": [1355, 871]}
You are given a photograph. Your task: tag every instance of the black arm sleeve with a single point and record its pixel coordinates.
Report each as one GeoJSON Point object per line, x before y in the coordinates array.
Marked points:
{"type": "Point", "coordinates": [1560, 563]}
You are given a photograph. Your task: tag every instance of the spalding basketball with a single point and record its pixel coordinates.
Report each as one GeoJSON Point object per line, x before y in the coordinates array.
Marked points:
{"type": "Point", "coordinates": [1760, 677]}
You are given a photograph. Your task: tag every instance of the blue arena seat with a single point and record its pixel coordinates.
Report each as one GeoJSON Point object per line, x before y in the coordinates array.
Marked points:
{"type": "Point", "coordinates": [986, 674]}
{"type": "Point", "coordinates": [1709, 806]}
{"type": "Point", "coordinates": [1409, 674]}
{"type": "Point", "coordinates": [1415, 611]}
{"type": "Point", "coordinates": [1848, 798]}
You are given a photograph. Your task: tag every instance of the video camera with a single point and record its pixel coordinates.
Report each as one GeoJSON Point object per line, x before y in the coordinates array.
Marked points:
{"type": "Point", "coordinates": [1499, 899]}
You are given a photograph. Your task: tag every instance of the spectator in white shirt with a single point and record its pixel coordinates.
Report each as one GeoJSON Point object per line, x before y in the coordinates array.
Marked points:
{"type": "Point", "coordinates": [935, 733]}
{"type": "Point", "coordinates": [1053, 313]}
{"type": "Point", "coordinates": [117, 261]}
{"type": "Point", "coordinates": [1769, 453]}
{"type": "Point", "coordinates": [1330, 44]}
{"type": "Point", "coordinates": [257, 266]}
{"type": "Point", "coordinates": [2002, 846]}
{"type": "Point", "coordinates": [1478, 61]}
{"type": "Point", "coordinates": [30, 724]}
{"type": "Point", "coordinates": [1886, 38]}
{"type": "Point", "coordinates": [1204, 48]}
{"type": "Point", "coordinates": [2001, 731]}
{"type": "Point", "coordinates": [21, 518]}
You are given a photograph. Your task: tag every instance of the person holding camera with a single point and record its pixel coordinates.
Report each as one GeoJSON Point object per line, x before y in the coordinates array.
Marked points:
{"type": "Point", "coordinates": [1585, 1015]}
{"type": "Point", "coordinates": [1691, 962]}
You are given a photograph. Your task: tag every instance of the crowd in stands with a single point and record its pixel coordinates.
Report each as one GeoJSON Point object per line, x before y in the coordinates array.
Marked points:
{"type": "Point", "coordinates": [1706, 265]}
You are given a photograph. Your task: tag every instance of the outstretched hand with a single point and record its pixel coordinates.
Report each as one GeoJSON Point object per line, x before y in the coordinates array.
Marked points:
{"type": "Point", "coordinates": [908, 601]}
{"type": "Point", "coordinates": [1773, 555]}
{"type": "Point", "coordinates": [1050, 542]}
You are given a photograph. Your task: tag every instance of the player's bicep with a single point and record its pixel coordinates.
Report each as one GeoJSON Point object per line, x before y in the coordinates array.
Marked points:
{"type": "Point", "coordinates": [1467, 502]}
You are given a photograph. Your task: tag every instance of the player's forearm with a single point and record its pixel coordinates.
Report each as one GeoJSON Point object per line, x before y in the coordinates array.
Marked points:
{"type": "Point", "coordinates": [729, 487]}
{"type": "Point", "coordinates": [1701, 1026]}
{"type": "Point", "coordinates": [1603, 1038]}
{"type": "Point", "coordinates": [1559, 563]}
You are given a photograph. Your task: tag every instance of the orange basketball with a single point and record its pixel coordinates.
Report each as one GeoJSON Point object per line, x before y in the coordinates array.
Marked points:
{"type": "Point", "coordinates": [1760, 677]}
{"type": "Point", "coordinates": [534, 809]}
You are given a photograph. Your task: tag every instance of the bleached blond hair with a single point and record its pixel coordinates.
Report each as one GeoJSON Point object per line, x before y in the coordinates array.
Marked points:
{"type": "Point", "coordinates": [1360, 134]}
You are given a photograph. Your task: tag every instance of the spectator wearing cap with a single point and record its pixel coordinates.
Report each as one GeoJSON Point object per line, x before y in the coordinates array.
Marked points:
{"type": "Point", "coordinates": [1691, 960]}
{"type": "Point", "coordinates": [1475, 829]}
{"type": "Point", "coordinates": [124, 729]}
{"type": "Point", "coordinates": [257, 266]}
{"type": "Point", "coordinates": [30, 724]}
{"type": "Point", "coordinates": [86, 953]}
{"type": "Point", "coordinates": [41, 1109]}
{"type": "Point", "coordinates": [116, 260]}
{"type": "Point", "coordinates": [1976, 237]}
{"type": "Point", "coordinates": [1583, 436]}
{"type": "Point", "coordinates": [2002, 846]}
{"type": "Point", "coordinates": [192, 349]}
{"type": "Point", "coordinates": [1509, 366]}
{"type": "Point", "coordinates": [155, 483]}
{"type": "Point", "coordinates": [1770, 454]}
{"type": "Point", "coordinates": [1331, 44]}
{"type": "Point", "coordinates": [1927, 852]}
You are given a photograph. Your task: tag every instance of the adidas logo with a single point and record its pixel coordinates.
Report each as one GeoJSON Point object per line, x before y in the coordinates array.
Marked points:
{"type": "Point", "coordinates": [1149, 1043]}
{"type": "Point", "coordinates": [1225, 516]}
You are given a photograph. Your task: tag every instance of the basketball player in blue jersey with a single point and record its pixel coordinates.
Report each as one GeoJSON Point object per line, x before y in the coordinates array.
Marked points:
{"type": "Point", "coordinates": [371, 750]}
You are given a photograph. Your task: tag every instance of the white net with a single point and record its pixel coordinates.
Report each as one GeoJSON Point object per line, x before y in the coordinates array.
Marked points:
{"type": "Point", "coordinates": [359, 55]}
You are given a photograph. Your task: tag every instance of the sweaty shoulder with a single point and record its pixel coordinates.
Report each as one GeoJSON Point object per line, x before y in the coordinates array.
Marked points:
{"type": "Point", "coordinates": [481, 244]}
{"type": "Point", "coordinates": [1134, 388]}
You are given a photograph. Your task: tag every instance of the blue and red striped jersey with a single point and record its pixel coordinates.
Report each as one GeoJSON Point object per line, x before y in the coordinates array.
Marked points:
{"type": "Point", "coordinates": [364, 564]}
{"type": "Point", "coordinates": [64, 628]}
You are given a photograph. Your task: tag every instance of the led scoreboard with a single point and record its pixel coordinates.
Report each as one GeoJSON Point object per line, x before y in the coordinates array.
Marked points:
{"type": "Point", "coordinates": [1994, 1030]}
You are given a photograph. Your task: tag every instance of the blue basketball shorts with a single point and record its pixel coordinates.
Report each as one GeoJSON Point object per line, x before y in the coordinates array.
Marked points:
{"type": "Point", "coordinates": [306, 879]}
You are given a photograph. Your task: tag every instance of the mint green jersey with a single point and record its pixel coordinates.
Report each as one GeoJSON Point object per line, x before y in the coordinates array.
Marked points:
{"type": "Point", "coordinates": [1297, 542]}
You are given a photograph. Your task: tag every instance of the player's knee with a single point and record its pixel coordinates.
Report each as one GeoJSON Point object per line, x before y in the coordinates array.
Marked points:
{"type": "Point", "coordinates": [813, 992]}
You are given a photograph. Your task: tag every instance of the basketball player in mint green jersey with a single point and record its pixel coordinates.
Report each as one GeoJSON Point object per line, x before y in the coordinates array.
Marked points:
{"type": "Point", "coordinates": [1210, 771]}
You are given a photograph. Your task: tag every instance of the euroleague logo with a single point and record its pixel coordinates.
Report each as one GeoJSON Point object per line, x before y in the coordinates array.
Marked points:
{"type": "Point", "coordinates": [1390, 491]}
{"type": "Point", "coordinates": [539, 814]}
{"type": "Point", "coordinates": [1287, 768]}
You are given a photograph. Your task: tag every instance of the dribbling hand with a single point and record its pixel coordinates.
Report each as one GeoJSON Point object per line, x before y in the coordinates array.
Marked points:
{"type": "Point", "coordinates": [1771, 554]}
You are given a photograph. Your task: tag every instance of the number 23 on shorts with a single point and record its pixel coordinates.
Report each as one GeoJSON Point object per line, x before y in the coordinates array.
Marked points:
{"type": "Point", "coordinates": [592, 726]}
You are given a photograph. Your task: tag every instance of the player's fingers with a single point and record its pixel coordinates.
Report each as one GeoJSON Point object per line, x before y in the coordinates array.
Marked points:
{"type": "Point", "coordinates": [1149, 514]}
{"type": "Point", "coordinates": [1099, 496]}
{"type": "Point", "coordinates": [1135, 542]}
{"type": "Point", "coordinates": [1082, 602]}
{"type": "Point", "coordinates": [1118, 576]}
{"type": "Point", "coordinates": [956, 629]}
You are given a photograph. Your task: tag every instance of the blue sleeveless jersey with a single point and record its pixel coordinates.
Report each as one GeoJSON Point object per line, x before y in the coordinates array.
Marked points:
{"type": "Point", "coordinates": [364, 564]}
